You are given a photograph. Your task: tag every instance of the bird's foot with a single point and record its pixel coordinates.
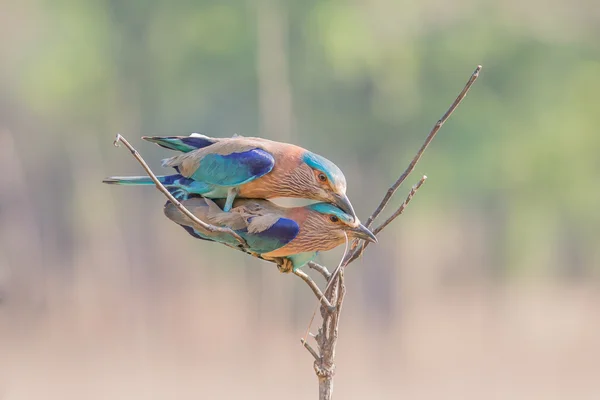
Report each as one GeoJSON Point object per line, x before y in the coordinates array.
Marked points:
{"type": "Point", "coordinates": [285, 266]}
{"type": "Point", "coordinates": [231, 194]}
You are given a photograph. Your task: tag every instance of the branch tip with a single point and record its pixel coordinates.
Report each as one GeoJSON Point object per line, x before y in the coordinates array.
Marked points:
{"type": "Point", "coordinates": [411, 166]}
{"type": "Point", "coordinates": [117, 140]}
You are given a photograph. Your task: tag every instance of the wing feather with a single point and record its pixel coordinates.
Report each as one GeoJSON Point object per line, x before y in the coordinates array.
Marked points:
{"type": "Point", "coordinates": [235, 168]}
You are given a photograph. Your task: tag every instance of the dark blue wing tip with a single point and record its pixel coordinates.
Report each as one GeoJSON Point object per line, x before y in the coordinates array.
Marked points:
{"type": "Point", "coordinates": [197, 141]}
{"type": "Point", "coordinates": [284, 229]}
{"type": "Point", "coordinates": [192, 232]}
{"type": "Point", "coordinates": [259, 162]}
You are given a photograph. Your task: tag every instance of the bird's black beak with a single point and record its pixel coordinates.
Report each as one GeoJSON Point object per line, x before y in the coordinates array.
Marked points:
{"type": "Point", "coordinates": [362, 232]}
{"type": "Point", "coordinates": [341, 200]}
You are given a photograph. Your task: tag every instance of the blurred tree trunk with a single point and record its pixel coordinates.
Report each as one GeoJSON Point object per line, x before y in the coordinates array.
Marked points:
{"type": "Point", "coordinates": [276, 120]}
{"type": "Point", "coordinates": [275, 92]}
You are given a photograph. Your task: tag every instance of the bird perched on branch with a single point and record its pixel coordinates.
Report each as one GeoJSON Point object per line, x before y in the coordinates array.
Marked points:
{"type": "Point", "coordinates": [246, 167]}
{"type": "Point", "coordinates": [289, 236]}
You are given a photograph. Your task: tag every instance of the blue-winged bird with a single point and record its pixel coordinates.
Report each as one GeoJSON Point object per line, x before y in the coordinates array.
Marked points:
{"type": "Point", "coordinates": [246, 167]}
{"type": "Point", "coordinates": [289, 236]}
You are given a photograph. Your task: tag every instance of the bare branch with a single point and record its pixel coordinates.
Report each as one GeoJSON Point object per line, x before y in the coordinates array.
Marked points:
{"type": "Point", "coordinates": [310, 349]}
{"type": "Point", "coordinates": [320, 269]}
{"type": "Point", "coordinates": [327, 288]}
{"type": "Point", "coordinates": [327, 337]}
{"type": "Point", "coordinates": [400, 209]}
{"type": "Point", "coordinates": [335, 291]}
{"type": "Point", "coordinates": [200, 225]}
{"type": "Point", "coordinates": [315, 289]}
{"type": "Point", "coordinates": [392, 190]}
{"type": "Point", "coordinates": [358, 246]}
{"type": "Point", "coordinates": [363, 245]}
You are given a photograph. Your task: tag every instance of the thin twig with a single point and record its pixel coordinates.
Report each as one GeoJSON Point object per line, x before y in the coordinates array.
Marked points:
{"type": "Point", "coordinates": [331, 309]}
{"type": "Point", "coordinates": [320, 269]}
{"type": "Point", "coordinates": [358, 252]}
{"type": "Point", "coordinates": [315, 289]}
{"type": "Point", "coordinates": [390, 193]}
{"type": "Point", "coordinates": [200, 225]}
{"type": "Point", "coordinates": [359, 246]}
{"type": "Point", "coordinates": [400, 209]}
{"type": "Point", "coordinates": [310, 349]}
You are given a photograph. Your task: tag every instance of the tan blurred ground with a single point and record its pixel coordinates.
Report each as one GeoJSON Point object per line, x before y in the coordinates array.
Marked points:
{"type": "Point", "coordinates": [196, 339]}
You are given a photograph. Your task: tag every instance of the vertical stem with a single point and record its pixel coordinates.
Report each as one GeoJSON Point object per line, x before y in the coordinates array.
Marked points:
{"type": "Point", "coordinates": [327, 337]}
{"type": "Point", "coordinates": [325, 388]}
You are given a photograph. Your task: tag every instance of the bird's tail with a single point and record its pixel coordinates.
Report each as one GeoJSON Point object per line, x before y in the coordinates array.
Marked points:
{"type": "Point", "coordinates": [185, 144]}
{"type": "Point", "coordinates": [179, 186]}
{"type": "Point", "coordinates": [166, 180]}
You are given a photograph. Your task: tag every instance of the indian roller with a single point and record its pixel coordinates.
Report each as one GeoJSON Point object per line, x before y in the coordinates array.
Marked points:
{"type": "Point", "coordinates": [246, 167]}
{"type": "Point", "coordinates": [290, 236]}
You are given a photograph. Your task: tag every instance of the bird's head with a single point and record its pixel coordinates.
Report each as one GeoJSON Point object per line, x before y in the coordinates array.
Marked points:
{"type": "Point", "coordinates": [326, 182]}
{"type": "Point", "coordinates": [327, 226]}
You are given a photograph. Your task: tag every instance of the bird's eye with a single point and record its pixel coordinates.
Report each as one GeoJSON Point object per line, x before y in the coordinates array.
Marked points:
{"type": "Point", "coordinates": [333, 218]}
{"type": "Point", "coordinates": [322, 177]}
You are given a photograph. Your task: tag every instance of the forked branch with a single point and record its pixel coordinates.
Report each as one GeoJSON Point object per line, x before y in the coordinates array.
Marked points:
{"type": "Point", "coordinates": [326, 338]}
{"type": "Point", "coordinates": [333, 298]}
{"type": "Point", "coordinates": [357, 252]}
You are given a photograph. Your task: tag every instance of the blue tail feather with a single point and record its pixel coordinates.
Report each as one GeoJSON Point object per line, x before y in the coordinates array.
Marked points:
{"type": "Point", "coordinates": [177, 184]}
{"type": "Point", "coordinates": [129, 180]}
{"type": "Point", "coordinates": [144, 180]}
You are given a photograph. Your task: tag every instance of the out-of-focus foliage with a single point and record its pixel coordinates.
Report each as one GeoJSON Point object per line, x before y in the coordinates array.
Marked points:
{"type": "Point", "coordinates": [367, 81]}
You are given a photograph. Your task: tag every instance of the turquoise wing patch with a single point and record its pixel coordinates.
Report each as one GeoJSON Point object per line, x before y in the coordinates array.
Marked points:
{"type": "Point", "coordinates": [234, 169]}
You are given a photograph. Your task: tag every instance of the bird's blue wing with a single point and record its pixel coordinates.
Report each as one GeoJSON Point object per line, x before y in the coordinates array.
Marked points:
{"type": "Point", "coordinates": [235, 168]}
{"type": "Point", "coordinates": [278, 235]}
{"type": "Point", "coordinates": [194, 233]}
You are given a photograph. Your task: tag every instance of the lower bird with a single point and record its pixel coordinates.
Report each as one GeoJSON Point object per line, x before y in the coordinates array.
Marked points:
{"type": "Point", "coordinates": [291, 237]}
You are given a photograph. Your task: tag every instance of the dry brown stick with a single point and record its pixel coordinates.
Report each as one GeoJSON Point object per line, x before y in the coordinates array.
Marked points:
{"type": "Point", "coordinates": [315, 289]}
{"type": "Point", "coordinates": [335, 292]}
{"type": "Point", "coordinates": [200, 225]}
{"type": "Point", "coordinates": [327, 337]}
{"type": "Point", "coordinates": [310, 349]}
{"type": "Point", "coordinates": [392, 190]}
{"type": "Point", "coordinates": [357, 247]}
{"type": "Point", "coordinates": [363, 245]}
{"type": "Point", "coordinates": [400, 209]}
{"type": "Point", "coordinates": [320, 269]}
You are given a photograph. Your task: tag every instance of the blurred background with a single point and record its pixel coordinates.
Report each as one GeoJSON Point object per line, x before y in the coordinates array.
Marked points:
{"type": "Point", "coordinates": [487, 287]}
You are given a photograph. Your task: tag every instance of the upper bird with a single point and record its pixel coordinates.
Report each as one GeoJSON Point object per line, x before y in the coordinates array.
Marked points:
{"type": "Point", "coordinates": [247, 167]}
{"type": "Point", "coordinates": [289, 236]}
